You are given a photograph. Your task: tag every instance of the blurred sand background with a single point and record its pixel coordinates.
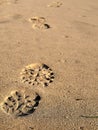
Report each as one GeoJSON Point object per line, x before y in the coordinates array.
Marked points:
{"type": "Point", "coordinates": [69, 47]}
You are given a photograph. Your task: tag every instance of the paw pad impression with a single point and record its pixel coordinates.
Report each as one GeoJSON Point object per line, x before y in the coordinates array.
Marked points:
{"type": "Point", "coordinates": [37, 74]}
{"type": "Point", "coordinates": [20, 103]}
{"type": "Point", "coordinates": [39, 23]}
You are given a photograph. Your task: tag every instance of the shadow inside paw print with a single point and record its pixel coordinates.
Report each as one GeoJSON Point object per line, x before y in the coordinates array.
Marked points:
{"type": "Point", "coordinates": [37, 74]}
{"type": "Point", "coordinates": [39, 23]}
{"type": "Point", "coordinates": [21, 104]}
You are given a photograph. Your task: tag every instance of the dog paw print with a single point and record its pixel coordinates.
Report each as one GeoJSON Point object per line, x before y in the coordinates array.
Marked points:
{"type": "Point", "coordinates": [55, 4]}
{"type": "Point", "coordinates": [8, 2]}
{"type": "Point", "coordinates": [39, 23]}
{"type": "Point", "coordinates": [20, 104]}
{"type": "Point", "coordinates": [37, 74]}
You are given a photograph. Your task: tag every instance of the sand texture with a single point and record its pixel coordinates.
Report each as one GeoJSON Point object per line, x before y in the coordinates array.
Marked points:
{"type": "Point", "coordinates": [48, 65]}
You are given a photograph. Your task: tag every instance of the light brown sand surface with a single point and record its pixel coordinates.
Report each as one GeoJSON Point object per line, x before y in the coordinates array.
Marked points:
{"type": "Point", "coordinates": [69, 47]}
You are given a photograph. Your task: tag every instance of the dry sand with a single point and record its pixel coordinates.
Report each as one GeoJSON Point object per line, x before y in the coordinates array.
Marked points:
{"type": "Point", "coordinates": [68, 44]}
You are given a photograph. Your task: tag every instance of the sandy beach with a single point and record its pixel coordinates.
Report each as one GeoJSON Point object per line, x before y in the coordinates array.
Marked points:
{"type": "Point", "coordinates": [48, 65]}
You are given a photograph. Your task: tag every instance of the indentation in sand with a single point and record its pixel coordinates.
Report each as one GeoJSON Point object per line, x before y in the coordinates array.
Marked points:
{"type": "Point", "coordinates": [55, 4]}
{"type": "Point", "coordinates": [8, 2]}
{"type": "Point", "coordinates": [37, 74]}
{"type": "Point", "coordinates": [20, 103]}
{"type": "Point", "coordinates": [39, 23]}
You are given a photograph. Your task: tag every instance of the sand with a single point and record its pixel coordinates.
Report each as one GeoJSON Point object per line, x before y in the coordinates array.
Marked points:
{"type": "Point", "coordinates": [64, 36]}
